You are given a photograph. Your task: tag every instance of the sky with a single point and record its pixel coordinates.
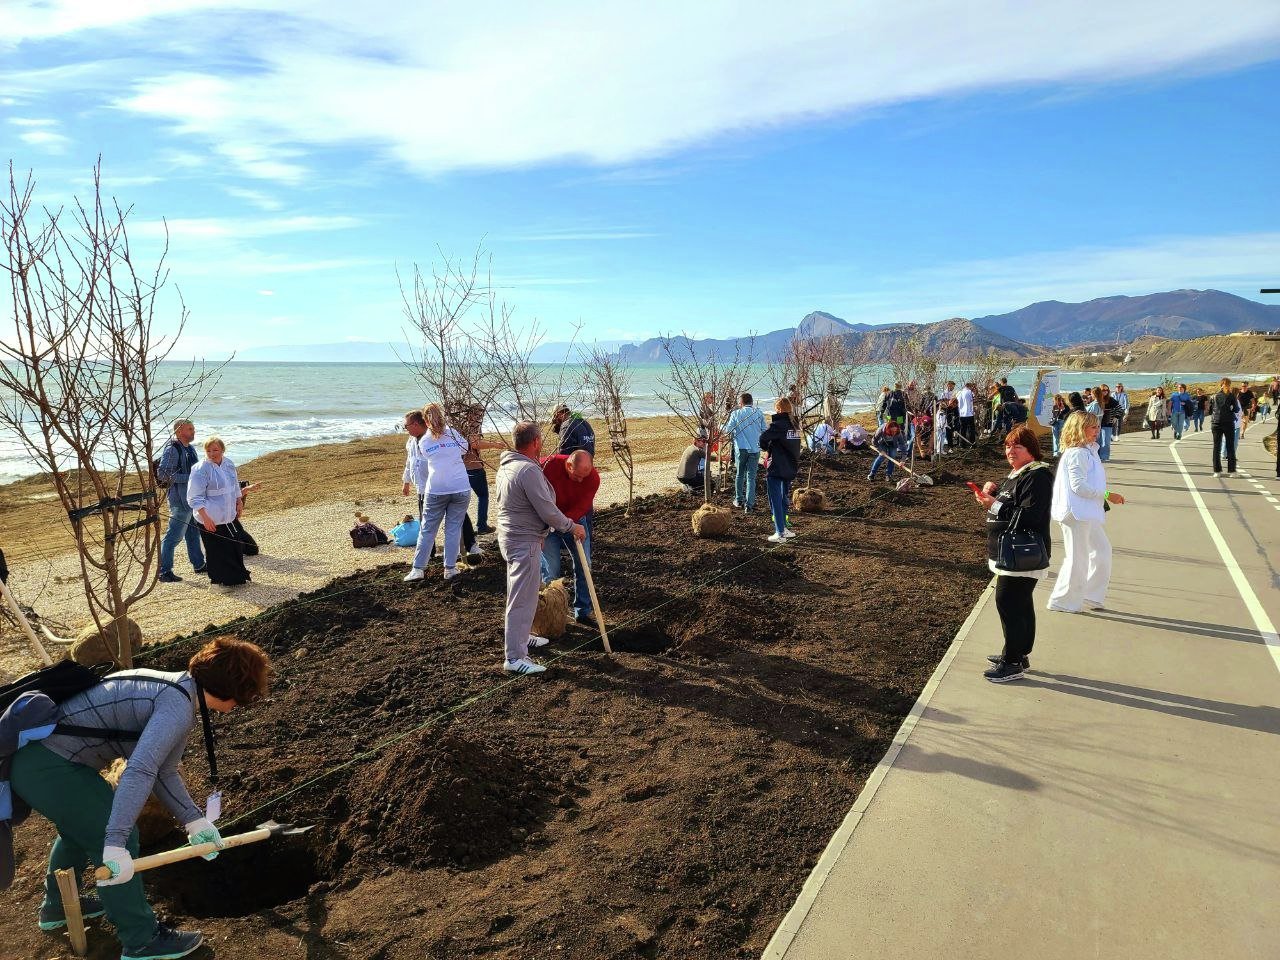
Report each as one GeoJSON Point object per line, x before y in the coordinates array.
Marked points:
{"type": "Point", "coordinates": [636, 169]}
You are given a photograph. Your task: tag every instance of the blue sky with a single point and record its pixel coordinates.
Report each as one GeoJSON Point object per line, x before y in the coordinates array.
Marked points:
{"type": "Point", "coordinates": [714, 167]}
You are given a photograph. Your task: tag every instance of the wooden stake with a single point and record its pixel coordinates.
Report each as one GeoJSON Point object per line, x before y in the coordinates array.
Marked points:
{"type": "Point", "coordinates": [69, 888]}
{"type": "Point", "coordinates": [36, 646]}
{"type": "Point", "coordinates": [595, 601]}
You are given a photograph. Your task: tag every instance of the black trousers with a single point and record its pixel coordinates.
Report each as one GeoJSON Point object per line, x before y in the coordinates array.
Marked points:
{"type": "Point", "coordinates": [1221, 435]}
{"type": "Point", "coordinates": [224, 555]}
{"type": "Point", "coordinates": [1017, 615]}
{"type": "Point", "coordinates": [968, 431]}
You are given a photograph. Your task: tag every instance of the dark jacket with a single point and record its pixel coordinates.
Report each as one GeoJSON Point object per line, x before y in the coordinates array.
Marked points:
{"type": "Point", "coordinates": [576, 434]}
{"type": "Point", "coordinates": [1222, 410]}
{"type": "Point", "coordinates": [1029, 496]}
{"type": "Point", "coordinates": [782, 442]}
{"type": "Point", "coordinates": [897, 405]}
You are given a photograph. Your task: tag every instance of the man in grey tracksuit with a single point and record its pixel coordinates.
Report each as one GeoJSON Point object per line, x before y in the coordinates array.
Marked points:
{"type": "Point", "coordinates": [526, 511]}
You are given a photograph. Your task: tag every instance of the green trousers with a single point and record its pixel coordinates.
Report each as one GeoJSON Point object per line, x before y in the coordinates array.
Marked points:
{"type": "Point", "coordinates": [77, 801]}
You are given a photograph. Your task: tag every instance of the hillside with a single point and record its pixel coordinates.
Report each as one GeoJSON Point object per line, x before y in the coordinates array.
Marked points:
{"type": "Point", "coordinates": [1178, 314]}
{"type": "Point", "coordinates": [1229, 354]}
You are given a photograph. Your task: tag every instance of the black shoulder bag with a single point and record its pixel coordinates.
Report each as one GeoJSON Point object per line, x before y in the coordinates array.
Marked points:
{"type": "Point", "coordinates": [1020, 551]}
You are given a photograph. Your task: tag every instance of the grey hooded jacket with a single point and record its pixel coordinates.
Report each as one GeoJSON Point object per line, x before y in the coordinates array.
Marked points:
{"type": "Point", "coordinates": [526, 503]}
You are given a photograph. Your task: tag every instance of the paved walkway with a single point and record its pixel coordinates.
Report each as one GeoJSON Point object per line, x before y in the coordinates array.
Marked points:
{"type": "Point", "coordinates": [1121, 802]}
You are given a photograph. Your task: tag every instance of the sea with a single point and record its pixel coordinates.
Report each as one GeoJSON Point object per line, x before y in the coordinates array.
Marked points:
{"type": "Point", "coordinates": [259, 407]}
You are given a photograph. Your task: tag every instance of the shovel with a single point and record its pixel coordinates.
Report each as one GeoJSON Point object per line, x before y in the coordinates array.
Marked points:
{"type": "Point", "coordinates": [265, 831]}
{"type": "Point", "coordinates": [922, 478]}
{"type": "Point", "coordinates": [595, 602]}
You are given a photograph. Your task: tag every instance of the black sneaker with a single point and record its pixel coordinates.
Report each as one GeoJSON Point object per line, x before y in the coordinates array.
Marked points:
{"type": "Point", "coordinates": [1004, 672]}
{"type": "Point", "coordinates": [996, 658]}
{"type": "Point", "coordinates": [203, 569]}
{"type": "Point", "coordinates": [481, 531]}
{"type": "Point", "coordinates": [167, 944]}
{"type": "Point", "coordinates": [170, 577]}
{"type": "Point", "coordinates": [53, 918]}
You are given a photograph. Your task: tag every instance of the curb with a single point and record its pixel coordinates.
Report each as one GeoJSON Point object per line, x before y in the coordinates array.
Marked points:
{"type": "Point", "coordinates": [790, 926]}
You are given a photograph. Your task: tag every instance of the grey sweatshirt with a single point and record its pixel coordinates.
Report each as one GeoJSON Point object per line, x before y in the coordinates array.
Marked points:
{"type": "Point", "coordinates": [163, 717]}
{"type": "Point", "coordinates": [526, 502]}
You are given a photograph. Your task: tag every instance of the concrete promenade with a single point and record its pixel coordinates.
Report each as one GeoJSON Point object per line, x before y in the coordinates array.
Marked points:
{"type": "Point", "coordinates": [1122, 801]}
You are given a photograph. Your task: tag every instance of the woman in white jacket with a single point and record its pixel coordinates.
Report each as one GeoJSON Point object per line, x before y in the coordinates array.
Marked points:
{"type": "Point", "coordinates": [1079, 492]}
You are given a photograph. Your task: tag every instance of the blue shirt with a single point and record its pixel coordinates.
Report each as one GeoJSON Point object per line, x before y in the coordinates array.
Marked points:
{"type": "Point", "coordinates": [745, 426]}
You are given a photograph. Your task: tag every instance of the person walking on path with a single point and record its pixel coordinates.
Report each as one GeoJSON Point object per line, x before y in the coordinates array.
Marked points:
{"type": "Point", "coordinates": [1103, 407]}
{"type": "Point", "coordinates": [58, 777]}
{"type": "Point", "coordinates": [1157, 413]}
{"type": "Point", "coordinates": [177, 460]}
{"type": "Point", "coordinates": [448, 493]}
{"type": "Point", "coordinates": [1177, 410]}
{"type": "Point", "coordinates": [1056, 419]}
{"type": "Point", "coordinates": [1022, 502]}
{"type": "Point", "coordinates": [885, 442]}
{"type": "Point", "coordinates": [575, 481]}
{"type": "Point", "coordinates": [1079, 497]}
{"type": "Point", "coordinates": [781, 441]}
{"type": "Point", "coordinates": [215, 497]}
{"type": "Point", "coordinates": [526, 513]}
{"type": "Point", "coordinates": [965, 413]}
{"type": "Point", "coordinates": [1122, 398]}
{"type": "Point", "coordinates": [1248, 409]}
{"type": "Point", "coordinates": [1222, 427]}
{"type": "Point", "coordinates": [745, 426]}
{"type": "Point", "coordinates": [1199, 407]}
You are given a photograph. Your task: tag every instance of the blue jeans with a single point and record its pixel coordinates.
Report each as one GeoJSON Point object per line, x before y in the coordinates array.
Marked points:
{"type": "Point", "coordinates": [1104, 444]}
{"type": "Point", "coordinates": [875, 465]}
{"type": "Point", "coordinates": [779, 500]}
{"type": "Point", "coordinates": [1198, 417]}
{"type": "Point", "coordinates": [1056, 426]}
{"type": "Point", "coordinates": [551, 560]}
{"type": "Point", "coordinates": [1179, 420]}
{"type": "Point", "coordinates": [451, 508]}
{"type": "Point", "coordinates": [182, 526]}
{"type": "Point", "coordinates": [479, 481]}
{"type": "Point", "coordinates": [744, 478]}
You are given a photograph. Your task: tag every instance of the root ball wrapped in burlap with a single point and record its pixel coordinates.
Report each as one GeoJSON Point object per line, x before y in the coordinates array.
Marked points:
{"type": "Point", "coordinates": [155, 822]}
{"type": "Point", "coordinates": [710, 521]}
{"type": "Point", "coordinates": [91, 647]}
{"type": "Point", "coordinates": [809, 500]}
{"type": "Point", "coordinates": [553, 610]}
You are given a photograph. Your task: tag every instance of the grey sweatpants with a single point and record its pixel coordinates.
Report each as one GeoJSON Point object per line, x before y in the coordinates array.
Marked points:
{"type": "Point", "coordinates": [523, 580]}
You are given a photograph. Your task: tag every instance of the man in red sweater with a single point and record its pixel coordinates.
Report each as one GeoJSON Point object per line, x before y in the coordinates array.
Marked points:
{"type": "Point", "coordinates": [575, 481]}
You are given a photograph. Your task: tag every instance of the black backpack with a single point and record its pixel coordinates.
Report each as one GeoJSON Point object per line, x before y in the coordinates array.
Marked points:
{"type": "Point", "coordinates": [897, 404]}
{"type": "Point", "coordinates": [59, 682]}
{"type": "Point", "coordinates": [162, 483]}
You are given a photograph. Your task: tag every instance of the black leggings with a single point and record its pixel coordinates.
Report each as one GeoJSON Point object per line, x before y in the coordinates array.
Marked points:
{"type": "Point", "coordinates": [1017, 615]}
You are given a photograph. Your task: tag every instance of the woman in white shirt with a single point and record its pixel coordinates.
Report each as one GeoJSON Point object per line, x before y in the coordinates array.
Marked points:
{"type": "Point", "coordinates": [213, 491]}
{"type": "Point", "coordinates": [448, 492]}
{"type": "Point", "coordinates": [1079, 493]}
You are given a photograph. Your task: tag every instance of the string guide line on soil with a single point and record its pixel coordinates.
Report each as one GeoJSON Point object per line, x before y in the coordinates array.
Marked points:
{"type": "Point", "coordinates": [508, 681]}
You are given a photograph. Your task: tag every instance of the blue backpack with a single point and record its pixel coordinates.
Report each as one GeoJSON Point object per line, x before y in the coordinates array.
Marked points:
{"type": "Point", "coordinates": [405, 534]}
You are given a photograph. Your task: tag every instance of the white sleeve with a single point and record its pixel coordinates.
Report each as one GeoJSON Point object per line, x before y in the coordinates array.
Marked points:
{"type": "Point", "coordinates": [1078, 479]}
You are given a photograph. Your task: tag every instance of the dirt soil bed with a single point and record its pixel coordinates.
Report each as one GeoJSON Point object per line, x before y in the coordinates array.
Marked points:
{"type": "Point", "coordinates": [665, 802]}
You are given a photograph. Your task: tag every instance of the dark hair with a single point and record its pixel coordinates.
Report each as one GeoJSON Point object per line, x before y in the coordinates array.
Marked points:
{"type": "Point", "coordinates": [1075, 401]}
{"type": "Point", "coordinates": [525, 434]}
{"type": "Point", "coordinates": [415, 416]}
{"type": "Point", "coordinates": [231, 669]}
{"type": "Point", "coordinates": [745, 399]}
{"type": "Point", "coordinates": [1026, 438]}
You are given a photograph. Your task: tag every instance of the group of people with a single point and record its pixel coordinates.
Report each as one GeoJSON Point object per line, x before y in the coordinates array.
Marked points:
{"type": "Point", "coordinates": [205, 499]}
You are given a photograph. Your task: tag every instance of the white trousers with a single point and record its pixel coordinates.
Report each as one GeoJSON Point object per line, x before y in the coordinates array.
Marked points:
{"type": "Point", "coordinates": [1086, 566]}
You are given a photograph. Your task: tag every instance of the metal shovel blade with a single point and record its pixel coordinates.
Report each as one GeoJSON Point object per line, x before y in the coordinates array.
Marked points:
{"type": "Point", "coordinates": [283, 829]}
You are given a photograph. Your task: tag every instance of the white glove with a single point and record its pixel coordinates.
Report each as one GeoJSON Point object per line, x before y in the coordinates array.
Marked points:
{"type": "Point", "coordinates": [203, 831]}
{"type": "Point", "coordinates": [120, 862]}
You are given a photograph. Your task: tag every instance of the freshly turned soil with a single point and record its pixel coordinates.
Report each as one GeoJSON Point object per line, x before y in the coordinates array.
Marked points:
{"type": "Point", "coordinates": [668, 801]}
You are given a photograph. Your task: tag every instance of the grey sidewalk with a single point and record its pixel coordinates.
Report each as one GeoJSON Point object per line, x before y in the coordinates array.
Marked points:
{"type": "Point", "coordinates": [1124, 801]}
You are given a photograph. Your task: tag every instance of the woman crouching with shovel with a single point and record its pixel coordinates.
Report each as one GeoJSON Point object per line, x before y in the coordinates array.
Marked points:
{"type": "Point", "coordinates": [144, 716]}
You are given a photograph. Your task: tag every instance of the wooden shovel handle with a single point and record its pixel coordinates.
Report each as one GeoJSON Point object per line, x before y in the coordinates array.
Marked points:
{"type": "Point", "coordinates": [595, 601]}
{"type": "Point", "coordinates": [36, 646]}
{"type": "Point", "coordinates": [188, 853]}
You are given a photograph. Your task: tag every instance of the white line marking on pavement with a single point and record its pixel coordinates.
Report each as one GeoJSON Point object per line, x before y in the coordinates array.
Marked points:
{"type": "Point", "coordinates": [783, 937]}
{"type": "Point", "coordinates": [1266, 629]}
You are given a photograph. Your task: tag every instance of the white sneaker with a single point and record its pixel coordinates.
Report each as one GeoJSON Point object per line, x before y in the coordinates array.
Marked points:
{"type": "Point", "coordinates": [522, 666]}
{"type": "Point", "coordinates": [774, 538]}
{"type": "Point", "coordinates": [475, 551]}
{"type": "Point", "coordinates": [788, 534]}
{"type": "Point", "coordinates": [1217, 473]}
{"type": "Point", "coordinates": [450, 573]}
{"type": "Point", "coordinates": [536, 641]}
{"type": "Point", "coordinates": [417, 573]}
{"type": "Point", "coordinates": [736, 503]}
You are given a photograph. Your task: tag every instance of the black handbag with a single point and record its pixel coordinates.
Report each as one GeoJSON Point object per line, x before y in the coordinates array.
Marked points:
{"type": "Point", "coordinates": [1020, 551]}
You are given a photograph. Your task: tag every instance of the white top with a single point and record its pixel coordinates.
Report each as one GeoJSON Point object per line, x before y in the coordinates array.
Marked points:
{"type": "Point", "coordinates": [415, 464]}
{"type": "Point", "coordinates": [854, 433]}
{"type": "Point", "coordinates": [216, 488]}
{"type": "Point", "coordinates": [823, 433]}
{"type": "Point", "coordinates": [445, 470]}
{"type": "Point", "coordinates": [964, 400]}
{"type": "Point", "coordinates": [1079, 486]}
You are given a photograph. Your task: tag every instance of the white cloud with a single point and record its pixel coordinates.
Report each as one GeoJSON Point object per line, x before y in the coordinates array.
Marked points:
{"type": "Point", "coordinates": [46, 140]}
{"type": "Point", "coordinates": [266, 293]}
{"type": "Point", "coordinates": [259, 199]}
{"type": "Point", "coordinates": [443, 87]}
{"type": "Point", "coordinates": [33, 122]}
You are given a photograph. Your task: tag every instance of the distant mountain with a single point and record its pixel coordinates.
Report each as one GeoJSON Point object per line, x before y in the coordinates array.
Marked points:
{"type": "Point", "coordinates": [947, 339]}
{"type": "Point", "coordinates": [563, 351]}
{"type": "Point", "coordinates": [1178, 314]}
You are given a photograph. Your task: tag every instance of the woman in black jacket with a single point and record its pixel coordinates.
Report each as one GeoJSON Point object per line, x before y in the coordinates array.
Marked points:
{"type": "Point", "coordinates": [1023, 501]}
{"type": "Point", "coordinates": [781, 441]}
